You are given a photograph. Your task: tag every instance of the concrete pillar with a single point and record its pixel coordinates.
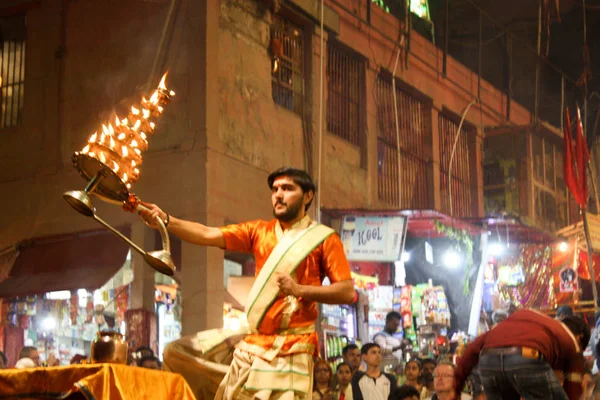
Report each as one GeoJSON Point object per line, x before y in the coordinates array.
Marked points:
{"type": "Point", "coordinates": [142, 327]}
{"type": "Point", "coordinates": [141, 292]}
{"type": "Point", "coordinates": [202, 287]}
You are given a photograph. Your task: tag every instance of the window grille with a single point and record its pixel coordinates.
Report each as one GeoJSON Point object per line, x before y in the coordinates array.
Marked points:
{"type": "Point", "coordinates": [459, 184]}
{"type": "Point", "coordinates": [287, 46]}
{"type": "Point", "coordinates": [411, 189]}
{"type": "Point", "coordinates": [12, 70]}
{"type": "Point", "coordinates": [345, 94]}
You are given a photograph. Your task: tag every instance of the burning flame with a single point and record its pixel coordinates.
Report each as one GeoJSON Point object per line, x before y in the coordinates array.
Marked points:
{"type": "Point", "coordinates": [132, 140]}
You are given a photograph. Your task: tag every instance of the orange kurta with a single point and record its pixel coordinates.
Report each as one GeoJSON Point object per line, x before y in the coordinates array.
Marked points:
{"type": "Point", "coordinates": [328, 259]}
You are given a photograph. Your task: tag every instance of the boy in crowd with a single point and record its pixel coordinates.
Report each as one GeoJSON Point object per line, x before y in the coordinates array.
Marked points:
{"type": "Point", "coordinates": [372, 384]}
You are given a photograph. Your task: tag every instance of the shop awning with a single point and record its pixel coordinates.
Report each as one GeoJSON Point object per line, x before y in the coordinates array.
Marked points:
{"type": "Point", "coordinates": [83, 260]}
{"type": "Point", "coordinates": [421, 223]}
{"type": "Point", "coordinates": [512, 230]}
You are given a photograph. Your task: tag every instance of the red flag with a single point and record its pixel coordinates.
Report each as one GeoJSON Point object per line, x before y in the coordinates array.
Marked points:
{"type": "Point", "coordinates": [583, 157]}
{"type": "Point", "coordinates": [571, 179]}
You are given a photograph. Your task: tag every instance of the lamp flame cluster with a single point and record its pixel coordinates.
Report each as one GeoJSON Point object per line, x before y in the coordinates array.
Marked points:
{"type": "Point", "coordinates": [120, 146]}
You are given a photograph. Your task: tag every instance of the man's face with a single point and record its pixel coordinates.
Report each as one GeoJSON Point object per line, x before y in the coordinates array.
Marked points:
{"type": "Point", "coordinates": [443, 379]}
{"type": "Point", "coordinates": [428, 367]}
{"type": "Point", "coordinates": [373, 357]}
{"type": "Point", "coordinates": [35, 356]}
{"type": "Point", "coordinates": [287, 199]}
{"type": "Point", "coordinates": [392, 325]}
{"type": "Point", "coordinates": [352, 357]}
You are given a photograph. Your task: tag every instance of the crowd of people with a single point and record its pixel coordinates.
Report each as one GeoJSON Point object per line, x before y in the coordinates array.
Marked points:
{"type": "Point", "coordinates": [29, 357]}
{"type": "Point", "coordinates": [524, 355]}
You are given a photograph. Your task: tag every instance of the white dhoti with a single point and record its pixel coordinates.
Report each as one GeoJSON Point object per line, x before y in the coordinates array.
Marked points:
{"type": "Point", "coordinates": [214, 369]}
{"type": "Point", "coordinates": [250, 377]}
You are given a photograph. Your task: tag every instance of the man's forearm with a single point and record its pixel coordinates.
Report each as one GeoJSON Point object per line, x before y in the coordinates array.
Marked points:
{"type": "Point", "coordinates": [336, 293]}
{"type": "Point", "coordinates": [196, 233]}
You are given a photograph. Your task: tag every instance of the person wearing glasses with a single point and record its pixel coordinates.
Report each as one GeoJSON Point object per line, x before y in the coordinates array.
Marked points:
{"type": "Point", "coordinates": [444, 383]}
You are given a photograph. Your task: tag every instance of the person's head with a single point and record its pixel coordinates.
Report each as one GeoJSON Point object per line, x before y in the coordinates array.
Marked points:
{"type": "Point", "coordinates": [323, 373]}
{"type": "Point", "coordinates": [142, 352]}
{"type": "Point", "coordinates": [392, 321]}
{"type": "Point", "coordinates": [579, 329]}
{"type": "Point", "coordinates": [31, 353]}
{"type": "Point", "coordinates": [412, 370]}
{"type": "Point", "coordinates": [292, 192]}
{"type": "Point", "coordinates": [150, 362]}
{"type": "Point", "coordinates": [563, 312]}
{"type": "Point", "coordinates": [443, 378]}
{"type": "Point", "coordinates": [3, 360]}
{"type": "Point", "coordinates": [351, 355]}
{"type": "Point", "coordinates": [428, 365]}
{"type": "Point", "coordinates": [25, 362]}
{"type": "Point", "coordinates": [371, 354]}
{"type": "Point", "coordinates": [343, 373]}
{"type": "Point", "coordinates": [405, 392]}
{"type": "Point", "coordinates": [78, 359]}
{"type": "Point", "coordinates": [499, 316]}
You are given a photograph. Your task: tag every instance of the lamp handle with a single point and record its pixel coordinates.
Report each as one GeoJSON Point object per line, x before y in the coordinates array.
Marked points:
{"type": "Point", "coordinates": [164, 234]}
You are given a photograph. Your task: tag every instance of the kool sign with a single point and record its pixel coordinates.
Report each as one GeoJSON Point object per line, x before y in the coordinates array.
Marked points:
{"type": "Point", "coordinates": [373, 238]}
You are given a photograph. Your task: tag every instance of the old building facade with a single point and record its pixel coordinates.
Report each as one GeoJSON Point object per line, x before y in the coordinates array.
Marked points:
{"type": "Point", "coordinates": [259, 86]}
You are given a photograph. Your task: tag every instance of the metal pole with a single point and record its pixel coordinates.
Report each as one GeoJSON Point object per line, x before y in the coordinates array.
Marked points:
{"type": "Point", "coordinates": [562, 103]}
{"type": "Point", "coordinates": [591, 169]}
{"type": "Point", "coordinates": [479, 66]}
{"type": "Point", "coordinates": [590, 259]}
{"type": "Point", "coordinates": [537, 65]}
{"type": "Point", "coordinates": [446, 34]}
{"type": "Point", "coordinates": [509, 77]}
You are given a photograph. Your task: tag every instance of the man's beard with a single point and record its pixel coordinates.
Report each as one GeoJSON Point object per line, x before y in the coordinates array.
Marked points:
{"type": "Point", "coordinates": [292, 211]}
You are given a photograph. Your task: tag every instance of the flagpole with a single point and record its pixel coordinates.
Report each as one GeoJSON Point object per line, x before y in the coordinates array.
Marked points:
{"type": "Point", "coordinates": [590, 252]}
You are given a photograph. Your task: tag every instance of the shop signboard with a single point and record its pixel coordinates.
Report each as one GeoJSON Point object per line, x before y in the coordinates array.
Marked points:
{"type": "Point", "coordinates": [373, 238]}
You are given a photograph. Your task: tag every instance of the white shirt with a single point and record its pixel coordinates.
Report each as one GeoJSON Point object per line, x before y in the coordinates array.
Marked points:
{"type": "Point", "coordinates": [374, 389]}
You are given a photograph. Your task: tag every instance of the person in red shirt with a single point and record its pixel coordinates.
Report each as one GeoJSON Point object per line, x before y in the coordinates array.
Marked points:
{"type": "Point", "coordinates": [517, 358]}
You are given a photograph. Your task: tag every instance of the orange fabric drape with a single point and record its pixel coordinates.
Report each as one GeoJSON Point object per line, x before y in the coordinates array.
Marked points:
{"type": "Point", "coordinates": [94, 381]}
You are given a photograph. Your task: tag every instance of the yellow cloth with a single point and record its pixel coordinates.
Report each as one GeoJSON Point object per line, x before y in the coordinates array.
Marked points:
{"type": "Point", "coordinates": [94, 382]}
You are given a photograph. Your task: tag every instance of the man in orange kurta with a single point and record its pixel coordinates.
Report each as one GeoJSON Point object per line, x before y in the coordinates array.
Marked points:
{"type": "Point", "coordinates": [274, 361]}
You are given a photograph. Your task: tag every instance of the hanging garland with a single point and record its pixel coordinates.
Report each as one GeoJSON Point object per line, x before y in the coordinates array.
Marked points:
{"type": "Point", "coordinates": [464, 244]}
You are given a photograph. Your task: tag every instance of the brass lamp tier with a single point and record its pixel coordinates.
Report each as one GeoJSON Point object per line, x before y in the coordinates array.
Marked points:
{"type": "Point", "coordinates": [105, 184]}
{"type": "Point", "coordinates": [110, 187]}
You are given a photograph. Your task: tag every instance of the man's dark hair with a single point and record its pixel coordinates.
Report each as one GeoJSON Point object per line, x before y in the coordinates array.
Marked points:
{"type": "Point", "coordinates": [349, 347]}
{"type": "Point", "coordinates": [428, 361]}
{"type": "Point", "coordinates": [368, 346]}
{"type": "Point", "coordinates": [300, 178]}
{"type": "Point", "coordinates": [404, 392]}
{"type": "Point", "coordinates": [148, 358]}
{"type": "Point", "coordinates": [26, 351]}
{"type": "Point", "coordinates": [3, 356]}
{"type": "Point", "coordinates": [564, 311]}
{"type": "Point", "coordinates": [577, 326]}
{"type": "Point", "coordinates": [392, 315]}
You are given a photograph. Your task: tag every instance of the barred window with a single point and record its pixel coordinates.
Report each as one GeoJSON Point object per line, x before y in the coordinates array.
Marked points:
{"type": "Point", "coordinates": [405, 186]}
{"type": "Point", "coordinates": [12, 68]}
{"type": "Point", "coordinates": [287, 47]}
{"type": "Point", "coordinates": [345, 93]}
{"type": "Point", "coordinates": [459, 185]}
